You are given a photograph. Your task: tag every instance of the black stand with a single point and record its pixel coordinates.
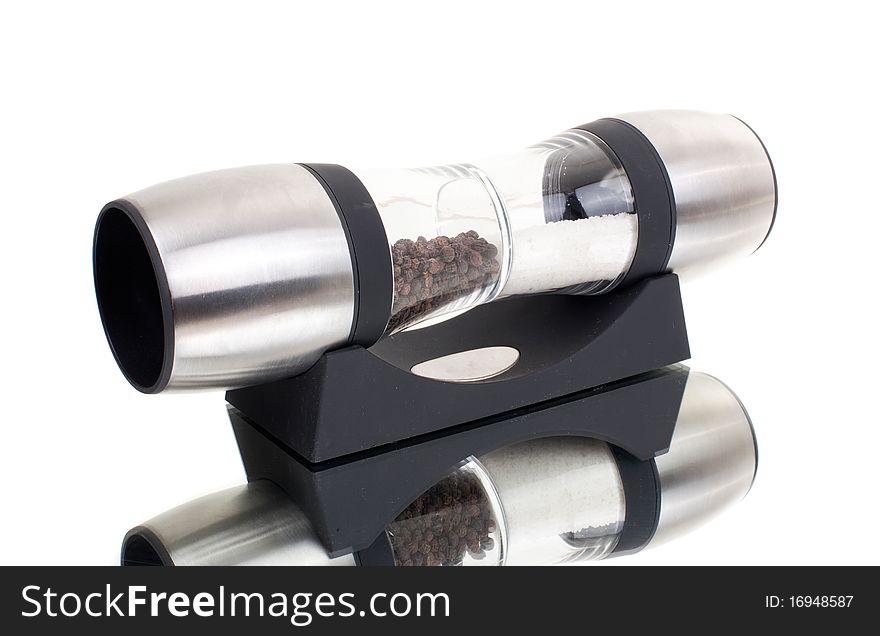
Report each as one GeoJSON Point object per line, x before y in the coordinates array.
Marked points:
{"type": "Point", "coordinates": [357, 437]}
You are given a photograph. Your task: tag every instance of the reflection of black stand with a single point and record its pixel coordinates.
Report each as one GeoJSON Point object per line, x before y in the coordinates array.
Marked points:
{"type": "Point", "coordinates": [357, 437]}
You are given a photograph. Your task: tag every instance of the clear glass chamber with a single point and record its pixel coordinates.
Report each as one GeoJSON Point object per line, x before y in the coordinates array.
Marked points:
{"type": "Point", "coordinates": [541, 502]}
{"type": "Point", "coordinates": [458, 521]}
{"type": "Point", "coordinates": [555, 217]}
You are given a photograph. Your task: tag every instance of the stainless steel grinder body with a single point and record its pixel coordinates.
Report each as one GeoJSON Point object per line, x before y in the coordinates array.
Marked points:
{"type": "Point", "coordinates": [243, 276]}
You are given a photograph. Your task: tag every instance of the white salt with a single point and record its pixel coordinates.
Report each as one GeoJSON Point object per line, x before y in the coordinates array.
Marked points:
{"type": "Point", "coordinates": [562, 499]}
{"type": "Point", "coordinates": [567, 253]}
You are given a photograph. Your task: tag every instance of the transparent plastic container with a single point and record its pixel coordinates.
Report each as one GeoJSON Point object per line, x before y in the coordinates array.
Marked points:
{"type": "Point", "coordinates": [458, 521]}
{"type": "Point", "coordinates": [447, 233]}
{"type": "Point", "coordinates": [562, 498]}
{"type": "Point", "coordinates": [555, 217]}
{"type": "Point", "coordinates": [541, 502]}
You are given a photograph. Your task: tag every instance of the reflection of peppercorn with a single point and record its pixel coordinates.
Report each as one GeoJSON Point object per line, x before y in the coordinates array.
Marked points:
{"type": "Point", "coordinates": [451, 519]}
{"type": "Point", "coordinates": [429, 274]}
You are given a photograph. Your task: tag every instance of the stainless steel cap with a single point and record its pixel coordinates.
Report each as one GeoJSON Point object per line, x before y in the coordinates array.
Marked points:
{"type": "Point", "coordinates": [223, 279]}
{"type": "Point", "coordinates": [254, 524]}
{"type": "Point", "coordinates": [722, 180]}
{"type": "Point", "coordinates": [711, 461]}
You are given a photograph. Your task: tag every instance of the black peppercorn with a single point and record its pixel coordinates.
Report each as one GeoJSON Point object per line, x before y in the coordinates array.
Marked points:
{"type": "Point", "coordinates": [430, 274]}
{"type": "Point", "coordinates": [448, 521]}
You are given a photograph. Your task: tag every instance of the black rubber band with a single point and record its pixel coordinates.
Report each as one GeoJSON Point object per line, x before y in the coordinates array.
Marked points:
{"type": "Point", "coordinates": [641, 486]}
{"type": "Point", "coordinates": [652, 191]}
{"type": "Point", "coordinates": [370, 254]}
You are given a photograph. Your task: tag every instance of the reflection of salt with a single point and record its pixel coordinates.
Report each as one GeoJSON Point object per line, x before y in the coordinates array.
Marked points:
{"type": "Point", "coordinates": [568, 253]}
{"type": "Point", "coordinates": [562, 499]}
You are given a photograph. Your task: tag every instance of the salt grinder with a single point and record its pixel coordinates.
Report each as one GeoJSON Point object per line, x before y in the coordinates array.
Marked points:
{"type": "Point", "coordinates": [468, 364]}
{"type": "Point", "coordinates": [248, 275]}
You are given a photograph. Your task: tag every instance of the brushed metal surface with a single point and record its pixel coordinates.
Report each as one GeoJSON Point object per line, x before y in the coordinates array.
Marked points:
{"type": "Point", "coordinates": [711, 461]}
{"type": "Point", "coordinates": [254, 524]}
{"type": "Point", "coordinates": [468, 366]}
{"type": "Point", "coordinates": [722, 180]}
{"type": "Point", "coordinates": [259, 273]}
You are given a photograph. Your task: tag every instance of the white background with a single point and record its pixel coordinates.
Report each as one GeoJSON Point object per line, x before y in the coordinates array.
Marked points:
{"type": "Point", "coordinates": [103, 98]}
